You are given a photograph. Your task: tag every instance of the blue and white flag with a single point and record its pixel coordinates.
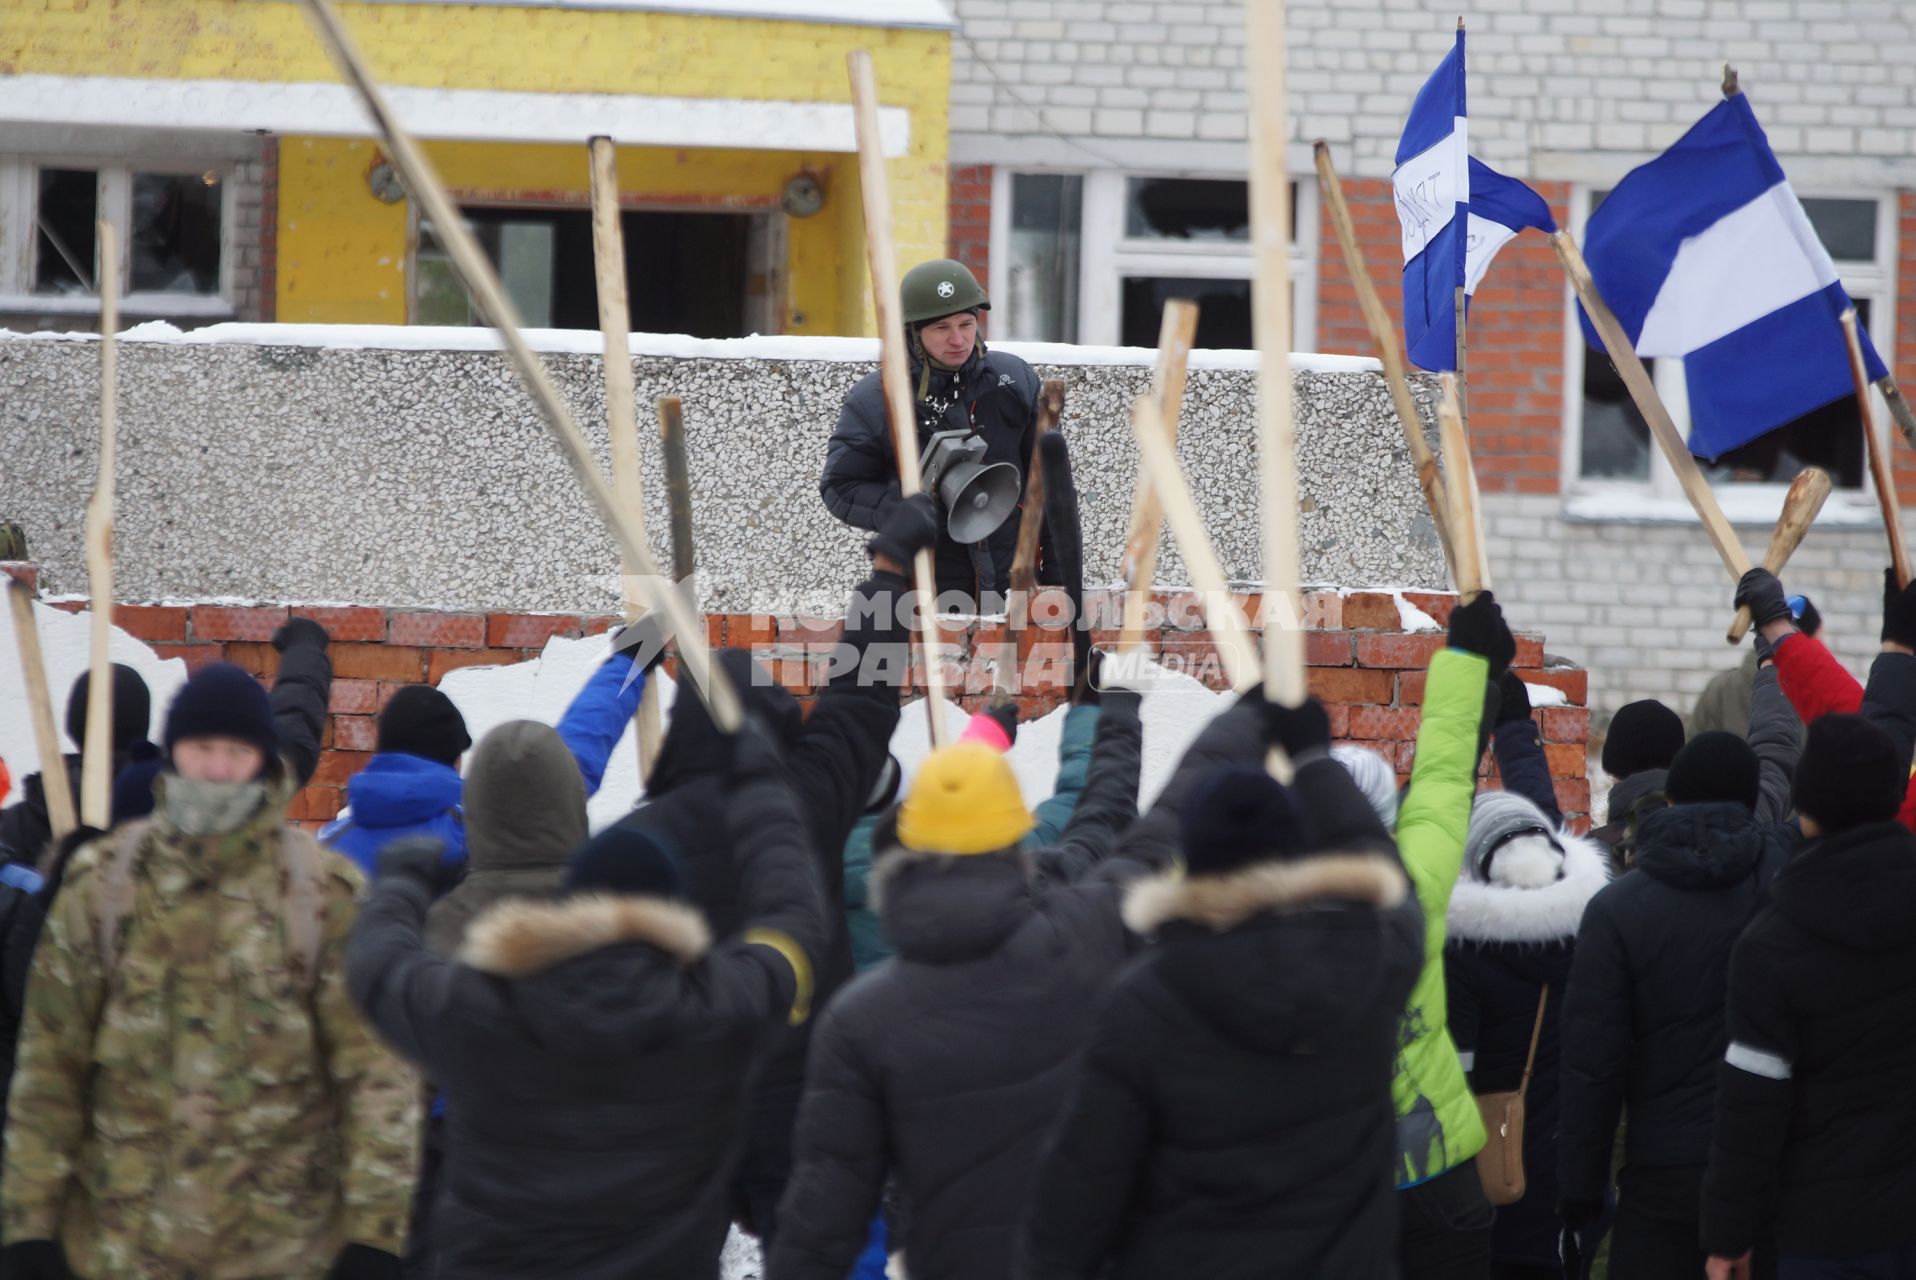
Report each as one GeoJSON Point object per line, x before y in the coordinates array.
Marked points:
{"type": "Point", "coordinates": [1706, 255]}
{"type": "Point", "coordinates": [1456, 212]}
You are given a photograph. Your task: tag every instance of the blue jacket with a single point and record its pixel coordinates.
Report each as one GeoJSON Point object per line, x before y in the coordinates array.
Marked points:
{"type": "Point", "coordinates": [398, 795]}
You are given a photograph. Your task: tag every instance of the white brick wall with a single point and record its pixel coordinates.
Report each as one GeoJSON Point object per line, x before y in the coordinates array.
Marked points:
{"type": "Point", "coordinates": [1569, 89]}
{"type": "Point", "coordinates": [1643, 607]}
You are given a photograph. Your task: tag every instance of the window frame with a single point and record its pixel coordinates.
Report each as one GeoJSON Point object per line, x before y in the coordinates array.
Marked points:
{"type": "Point", "coordinates": [1106, 256]}
{"type": "Point", "coordinates": [1660, 495]}
{"type": "Point", "coordinates": [19, 194]}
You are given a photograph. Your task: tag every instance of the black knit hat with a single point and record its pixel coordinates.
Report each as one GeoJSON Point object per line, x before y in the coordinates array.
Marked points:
{"type": "Point", "coordinates": [223, 701]}
{"type": "Point", "coordinates": [624, 859]}
{"type": "Point", "coordinates": [421, 721]}
{"type": "Point", "coordinates": [1239, 816]}
{"type": "Point", "coordinates": [132, 708]}
{"type": "Point", "coordinates": [1643, 735]}
{"type": "Point", "coordinates": [1849, 774]}
{"type": "Point", "coordinates": [1715, 767]}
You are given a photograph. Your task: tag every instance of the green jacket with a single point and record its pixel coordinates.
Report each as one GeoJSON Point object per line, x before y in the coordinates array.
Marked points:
{"type": "Point", "coordinates": [1052, 815]}
{"type": "Point", "coordinates": [1438, 1125]}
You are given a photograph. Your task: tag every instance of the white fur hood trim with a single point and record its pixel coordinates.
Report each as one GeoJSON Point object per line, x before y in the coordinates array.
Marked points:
{"type": "Point", "coordinates": [1482, 912]}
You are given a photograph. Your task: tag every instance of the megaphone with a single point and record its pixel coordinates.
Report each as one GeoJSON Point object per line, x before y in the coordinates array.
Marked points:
{"type": "Point", "coordinates": [977, 495]}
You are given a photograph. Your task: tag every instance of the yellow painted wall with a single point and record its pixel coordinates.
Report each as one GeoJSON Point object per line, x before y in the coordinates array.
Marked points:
{"type": "Point", "coordinates": [343, 255]}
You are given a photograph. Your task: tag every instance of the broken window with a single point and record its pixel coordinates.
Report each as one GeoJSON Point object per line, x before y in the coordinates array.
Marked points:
{"type": "Point", "coordinates": [68, 205]}
{"type": "Point", "coordinates": [174, 242]}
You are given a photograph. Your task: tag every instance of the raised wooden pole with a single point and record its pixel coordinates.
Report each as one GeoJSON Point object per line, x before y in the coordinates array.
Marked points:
{"type": "Point", "coordinates": [621, 413]}
{"type": "Point", "coordinates": [882, 263]}
{"type": "Point", "coordinates": [1031, 520]}
{"type": "Point", "coordinates": [489, 297]}
{"type": "Point", "coordinates": [678, 494]}
{"type": "Point", "coordinates": [1177, 330]}
{"type": "Point", "coordinates": [1644, 393]}
{"type": "Point", "coordinates": [46, 734]}
{"type": "Point", "coordinates": [96, 751]}
{"type": "Point", "coordinates": [1460, 485]}
{"type": "Point", "coordinates": [1800, 505]}
{"type": "Point", "coordinates": [1880, 474]}
{"type": "Point", "coordinates": [1390, 350]}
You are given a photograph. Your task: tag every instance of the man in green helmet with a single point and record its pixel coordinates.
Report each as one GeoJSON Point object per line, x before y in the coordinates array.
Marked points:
{"type": "Point", "coordinates": [956, 384]}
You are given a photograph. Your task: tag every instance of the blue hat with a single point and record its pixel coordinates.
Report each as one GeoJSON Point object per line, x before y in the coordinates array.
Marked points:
{"type": "Point", "coordinates": [223, 701]}
{"type": "Point", "coordinates": [623, 859]}
{"type": "Point", "coordinates": [1238, 816]}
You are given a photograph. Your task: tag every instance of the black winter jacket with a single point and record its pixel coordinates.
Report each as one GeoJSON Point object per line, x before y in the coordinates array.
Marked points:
{"type": "Point", "coordinates": [1643, 1020]}
{"type": "Point", "coordinates": [595, 1053]}
{"type": "Point", "coordinates": [1233, 1113]}
{"type": "Point", "coordinates": [994, 392]}
{"type": "Point", "coordinates": [1816, 1111]}
{"type": "Point", "coordinates": [945, 1065]}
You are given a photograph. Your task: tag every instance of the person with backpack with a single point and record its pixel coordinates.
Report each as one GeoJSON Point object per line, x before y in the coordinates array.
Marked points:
{"type": "Point", "coordinates": [195, 1094]}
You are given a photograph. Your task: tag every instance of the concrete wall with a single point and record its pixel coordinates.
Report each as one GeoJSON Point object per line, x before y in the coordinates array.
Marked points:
{"type": "Point", "coordinates": [419, 477]}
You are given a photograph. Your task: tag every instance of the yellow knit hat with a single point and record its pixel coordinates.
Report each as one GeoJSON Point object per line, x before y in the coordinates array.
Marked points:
{"type": "Point", "coordinates": [964, 800]}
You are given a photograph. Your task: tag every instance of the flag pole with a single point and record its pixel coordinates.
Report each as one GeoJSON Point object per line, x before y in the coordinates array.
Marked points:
{"type": "Point", "coordinates": [1390, 352]}
{"type": "Point", "coordinates": [1637, 378]}
{"type": "Point", "coordinates": [1463, 308]}
{"type": "Point", "coordinates": [1878, 450]}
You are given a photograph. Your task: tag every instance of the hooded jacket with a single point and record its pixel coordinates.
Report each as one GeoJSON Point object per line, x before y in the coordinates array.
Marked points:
{"type": "Point", "coordinates": [1815, 1116]}
{"type": "Point", "coordinates": [985, 959]}
{"type": "Point", "coordinates": [1232, 1115]}
{"type": "Point", "coordinates": [596, 1053]}
{"type": "Point", "coordinates": [1817, 684]}
{"type": "Point", "coordinates": [994, 392]}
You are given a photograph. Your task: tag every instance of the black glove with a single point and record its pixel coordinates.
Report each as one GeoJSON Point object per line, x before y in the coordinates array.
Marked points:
{"type": "Point", "coordinates": [421, 859]}
{"type": "Point", "coordinates": [1899, 612]}
{"type": "Point", "coordinates": [643, 641]}
{"type": "Point", "coordinates": [1088, 689]}
{"type": "Point", "coordinates": [1479, 628]}
{"type": "Point", "coordinates": [1760, 590]}
{"type": "Point", "coordinates": [1006, 714]}
{"type": "Point", "coordinates": [363, 1262]}
{"type": "Point", "coordinates": [908, 526]}
{"type": "Point", "coordinates": [1513, 698]}
{"type": "Point", "coordinates": [1577, 1242]}
{"type": "Point", "coordinates": [1298, 730]}
{"type": "Point", "coordinates": [34, 1260]}
{"type": "Point", "coordinates": [297, 632]}
{"type": "Point", "coordinates": [752, 751]}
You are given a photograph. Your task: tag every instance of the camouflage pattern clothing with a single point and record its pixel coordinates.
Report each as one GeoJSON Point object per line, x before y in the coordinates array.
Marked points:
{"type": "Point", "coordinates": [200, 1106]}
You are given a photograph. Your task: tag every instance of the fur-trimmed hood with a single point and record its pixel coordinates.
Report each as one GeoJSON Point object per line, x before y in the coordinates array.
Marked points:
{"type": "Point", "coordinates": [1220, 902]}
{"type": "Point", "coordinates": [518, 939]}
{"type": "Point", "coordinates": [1483, 912]}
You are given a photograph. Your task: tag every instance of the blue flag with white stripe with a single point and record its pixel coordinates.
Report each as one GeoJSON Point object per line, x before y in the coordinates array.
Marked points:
{"type": "Point", "coordinates": [1706, 255]}
{"type": "Point", "coordinates": [1456, 213]}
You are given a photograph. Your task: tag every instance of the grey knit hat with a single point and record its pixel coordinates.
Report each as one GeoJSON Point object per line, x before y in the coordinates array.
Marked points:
{"type": "Point", "coordinates": [1502, 818]}
{"type": "Point", "coordinates": [1374, 777]}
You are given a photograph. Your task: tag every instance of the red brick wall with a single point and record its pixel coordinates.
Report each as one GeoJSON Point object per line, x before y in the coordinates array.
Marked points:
{"type": "Point", "coordinates": [1363, 666]}
{"type": "Point", "coordinates": [971, 219]}
{"type": "Point", "coordinates": [1515, 374]}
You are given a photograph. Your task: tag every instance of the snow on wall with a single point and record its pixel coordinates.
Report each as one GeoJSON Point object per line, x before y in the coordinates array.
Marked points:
{"type": "Point", "coordinates": [63, 645]}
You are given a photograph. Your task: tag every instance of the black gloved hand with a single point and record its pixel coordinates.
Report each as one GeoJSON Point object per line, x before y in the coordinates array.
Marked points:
{"type": "Point", "coordinates": [1577, 1242]}
{"type": "Point", "coordinates": [752, 751]}
{"type": "Point", "coordinates": [1762, 592]}
{"type": "Point", "coordinates": [423, 860]}
{"type": "Point", "coordinates": [34, 1260]}
{"type": "Point", "coordinates": [363, 1262]}
{"type": "Point", "coordinates": [297, 632]}
{"type": "Point", "coordinates": [908, 526]}
{"type": "Point", "coordinates": [643, 641]}
{"type": "Point", "coordinates": [1479, 628]}
{"type": "Point", "coordinates": [1899, 612]}
{"type": "Point", "coordinates": [1514, 698]}
{"type": "Point", "coordinates": [1005, 713]}
{"type": "Point", "coordinates": [1298, 730]}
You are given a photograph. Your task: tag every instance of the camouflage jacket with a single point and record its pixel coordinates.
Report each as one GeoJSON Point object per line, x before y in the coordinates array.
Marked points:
{"type": "Point", "coordinates": [200, 1106]}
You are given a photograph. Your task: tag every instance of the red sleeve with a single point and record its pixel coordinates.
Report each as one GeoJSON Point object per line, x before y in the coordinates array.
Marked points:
{"type": "Point", "coordinates": [1814, 681]}
{"type": "Point", "coordinates": [1907, 814]}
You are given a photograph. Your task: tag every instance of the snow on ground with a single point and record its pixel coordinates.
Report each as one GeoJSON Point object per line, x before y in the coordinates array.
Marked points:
{"type": "Point", "coordinates": [63, 643]}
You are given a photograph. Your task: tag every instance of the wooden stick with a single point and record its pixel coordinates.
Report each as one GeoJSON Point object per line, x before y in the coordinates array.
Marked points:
{"type": "Point", "coordinates": [1024, 560]}
{"type": "Point", "coordinates": [1800, 505]}
{"type": "Point", "coordinates": [489, 297]}
{"type": "Point", "coordinates": [1463, 353]}
{"type": "Point", "coordinates": [1650, 405]}
{"type": "Point", "coordinates": [1158, 462]}
{"type": "Point", "coordinates": [1879, 469]}
{"type": "Point", "coordinates": [46, 735]}
{"type": "Point", "coordinates": [1390, 352]}
{"type": "Point", "coordinates": [1899, 410]}
{"type": "Point", "coordinates": [1177, 331]}
{"type": "Point", "coordinates": [621, 414]}
{"type": "Point", "coordinates": [882, 263]}
{"type": "Point", "coordinates": [96, 750]}
{"type": "Point", "coordinates": [1460, 484]}
{"type": "Point", "coordinates": [678, 494]}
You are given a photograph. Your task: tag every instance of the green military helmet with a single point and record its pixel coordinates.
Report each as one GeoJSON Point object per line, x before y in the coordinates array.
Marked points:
{"type": "Point", "coordinates": [940, 288]}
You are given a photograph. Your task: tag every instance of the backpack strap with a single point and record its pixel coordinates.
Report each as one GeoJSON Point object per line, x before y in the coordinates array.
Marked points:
{"type": "Point", "coordinates": [304, 863]}
{"type": "Point", "coordinates": [113, 891]}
